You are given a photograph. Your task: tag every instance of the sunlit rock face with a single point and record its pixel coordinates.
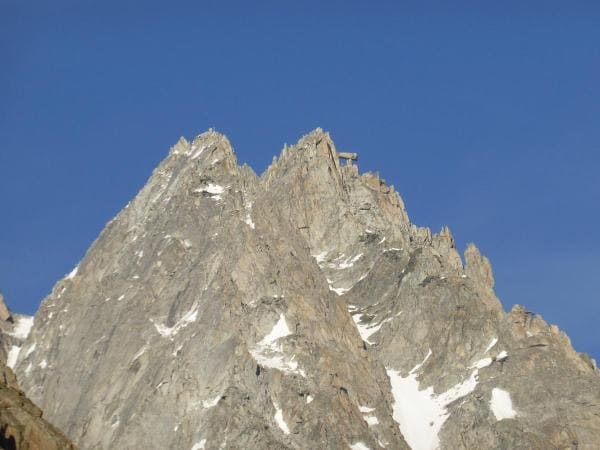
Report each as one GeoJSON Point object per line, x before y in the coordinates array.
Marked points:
{"type": "Point", "coordinates": [296, 309]}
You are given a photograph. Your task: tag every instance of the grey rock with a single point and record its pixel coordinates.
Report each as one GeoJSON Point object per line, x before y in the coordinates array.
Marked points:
{"type": "Point", "coordinates": [4, 312]}
{"type": "Point", "coordinates": [298, 309]}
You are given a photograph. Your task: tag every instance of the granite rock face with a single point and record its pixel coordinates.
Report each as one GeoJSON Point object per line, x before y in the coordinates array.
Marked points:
{"type": "Point", "coordinates": [299, 309]}
{"type": "Point", "coordinates": [21, 424]}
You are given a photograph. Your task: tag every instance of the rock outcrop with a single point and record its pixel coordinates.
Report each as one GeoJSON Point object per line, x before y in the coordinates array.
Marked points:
{"type": "Point", "coordinates": [21, 424]}
{"type": "Point", "coordinates": [4, 312]}
{"type": "Point", "coordinates": [298, 309]}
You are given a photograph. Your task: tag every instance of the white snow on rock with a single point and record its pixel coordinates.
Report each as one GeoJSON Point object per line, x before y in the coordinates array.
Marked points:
{"type": "Point", "coordinates": [279, 419]}
{"type": "Point", "coordinates": [43, 364]}
{"type": "Point", "coordinates": [196, 151]}
{"type": "Point", "coordinates": [211, 403]}
{"type": "Point", "coordinates": [170, 332]}
{"type": "Point", "coordinates": [418, 366]}
{"type": "Point", "coordinates": [320, 257]}
{"type": "Point", "coordinates": [489, 347]}
{"type": "Point", "coordinates": [338, 291]}
{"type": "Point", "coordinates": [345, 264]}
{"type": "Point", "coordinates": [13, 356]}
{"type": "Point", "coordinates": [30, 350]}
{"type": "Point", "coordinates": [309, 399]}
{"type": "Point", "coordinates": [501, 405]}
{"type": "Point", "coordinates": [22, 328]}
{"type": "Point", "coordinates": [214, 189]}
{"type": "Point", "coordinates": [371, 420]}
{"type": "Point", "coordinates": [199, 445]}
{"type": "Point", "coordinates": [140, 353]}
{"type": "Point", "coordinates": [248, 219]}
{"type": "Point", "coordinates": [367, 330]}
{"type": "Point", "coordinates": [502, 356]}
{"type": "Point", "coordinates": [72, 273]}
{"type": "Point", "coordinates": [269, 353]}
{"type": "Point", "coordinates": [359, 446]}
{"type": "Point", "coordinates": [419, 412]}
{"type": "Point", "coordinates": [481, 363]}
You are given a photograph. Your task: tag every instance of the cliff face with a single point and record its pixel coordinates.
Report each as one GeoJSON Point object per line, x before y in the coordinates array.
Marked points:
{"type": "Point", "coordinates": [21, 424]}
{"type": "Point", "coordinates": [298, 309]}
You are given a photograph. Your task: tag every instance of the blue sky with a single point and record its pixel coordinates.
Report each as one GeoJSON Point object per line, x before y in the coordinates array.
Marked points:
{"type": "Point", "coordinates": [485, 118]}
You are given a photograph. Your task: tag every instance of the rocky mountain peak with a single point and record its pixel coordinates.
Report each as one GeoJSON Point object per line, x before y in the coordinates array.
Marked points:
{"type": "Point", "coordinates": [298, 309]}
{"type": "Point", "coordinates": [478, 267]}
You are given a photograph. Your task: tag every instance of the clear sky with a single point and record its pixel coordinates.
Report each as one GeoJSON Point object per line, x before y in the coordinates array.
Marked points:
{"type": "Point", "coordinates": [485, 118]}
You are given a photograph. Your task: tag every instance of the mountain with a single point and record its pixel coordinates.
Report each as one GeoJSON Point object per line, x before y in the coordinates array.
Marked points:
{"type": "Point", "coordinates": [299, 309]}
{"type": "Point", "coordinates": [21, 424]}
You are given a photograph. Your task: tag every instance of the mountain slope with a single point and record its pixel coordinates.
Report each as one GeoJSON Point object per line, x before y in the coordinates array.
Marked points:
{"type": "Point", "coordinates": [298, 309]}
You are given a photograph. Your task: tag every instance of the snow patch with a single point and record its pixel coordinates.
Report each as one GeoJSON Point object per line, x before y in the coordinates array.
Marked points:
{"type": "Point", "coordinates": [320, 257]}
{"type": "Point", "coordinates": [13, 356]}
{"type": "Point", "coordinates": [199, 445]}
{"type": "Point", "coordinates": [489, 347]}
{"type": "Point", "coordinates": [371, 420]}
{"type": "Point", "coordinates": [140, 353]}
{"type": "Point", "coordinates": [309, 399]}
{"type": "Point", "coordinates": [43, 364]}
{"type": "Point", "coordinates": [22, 328]}
{"type": "Point", "coordinates": [502, 356]}
{"type": "Point", "coordinates": [501, 405]}
{"type": "Point", "coordinates": [367, 330]}
{"type": "Point", "coordinates": [279, 419]}
{"type": "Point", "coordinates": [169, 332]}
{"type": "Point", "coordinates": [248, 219]}
{"type": "Point", "coordinates": [345, 264]}
{"type": "Point", "coordinates": [269, 353]}
{"type": "Point", "coordinates": [206, 404]}
{"type": "Point", "coordinates": [195, 152]}
{"type": "Point", "coordinates": [214, 190]}
{"type": "Point", "coordinates": [30, 350]}
{"type": "Point", "coordinates": [419, 412]}
{"type": "Point", "coordinates": [393, 249]}
{"type": "Point", "coordinates": [72, 273]}
{"type": "Point", "coordinates": [338, 291]}
{"type": "Point", "coordinates": [359, 446]}
{"type": "Point", "coordinates": [485, 362]}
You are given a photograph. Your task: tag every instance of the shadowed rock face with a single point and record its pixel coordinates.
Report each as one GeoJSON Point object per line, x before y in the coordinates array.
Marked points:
{"type": "Point", "coordinates": [298, 309]}
{"type": "Point", "coordinates": [21, 424]}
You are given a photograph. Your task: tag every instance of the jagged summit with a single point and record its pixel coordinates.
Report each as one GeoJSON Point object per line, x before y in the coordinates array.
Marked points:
{"type": "Point", "coordinates": [296, 309]}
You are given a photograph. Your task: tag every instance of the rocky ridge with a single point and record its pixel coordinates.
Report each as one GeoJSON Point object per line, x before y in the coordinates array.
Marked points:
{"type": "Point", "coordinates": [298, 309]}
